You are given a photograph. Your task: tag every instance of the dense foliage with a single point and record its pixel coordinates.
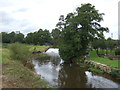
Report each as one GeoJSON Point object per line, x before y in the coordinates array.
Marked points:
{"type": "Point", "coordinates": [39, 37]}
{"type": "Point", "coordinates": [56, 36]}
{"type": "Point", "coordinates": [12, 37]}
{"type": "Point", "coordinates": [117, 51]}
{"type": "Point", "coordinates": [78, 29]}
{"type": "Point", "coordinates": [104, 44]}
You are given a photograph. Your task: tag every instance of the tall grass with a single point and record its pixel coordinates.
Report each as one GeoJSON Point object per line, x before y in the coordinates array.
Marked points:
{"type": "Point", "coordinates": [19, 52]}
{"type": "Point", "coordinates": [16, 75]}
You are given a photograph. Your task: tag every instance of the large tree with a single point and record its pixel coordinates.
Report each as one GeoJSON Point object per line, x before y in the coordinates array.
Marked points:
{"type": "Point", "coordinates": [78, 29]}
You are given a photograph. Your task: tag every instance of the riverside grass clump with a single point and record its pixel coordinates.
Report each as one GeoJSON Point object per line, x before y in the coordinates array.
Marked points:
{"type": "Point", "coordinates": [19, 52]}
{"type": "Point", "coordinates": [96, 70]}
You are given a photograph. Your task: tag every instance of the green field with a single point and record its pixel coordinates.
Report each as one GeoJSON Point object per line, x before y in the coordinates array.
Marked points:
{"type": "Point", "coordinates": [113, 63]}
{"type": "Point", "coordinates": [32, 47]}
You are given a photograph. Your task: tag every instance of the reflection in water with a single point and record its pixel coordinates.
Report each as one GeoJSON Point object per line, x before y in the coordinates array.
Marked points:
{"type": "Point", "coordinates": [100, 82]}
{"type": "Point", "coordinates": [71, 76]}
{"type": "Point", "coordinates": [47, 71]}
{"type": "Point", "coordinates": [68, 75]}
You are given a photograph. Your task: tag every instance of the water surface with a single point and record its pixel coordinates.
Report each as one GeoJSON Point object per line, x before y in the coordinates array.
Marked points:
{"type": "Point", "coordinates": [62, 75]}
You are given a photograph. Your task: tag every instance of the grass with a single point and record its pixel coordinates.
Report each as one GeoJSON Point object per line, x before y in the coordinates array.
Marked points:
{"type": "Point", "coordinates": [20, 52]}
{"type": "Point", "coordinates": [32, 47]}
{"type": "Point", "coordinates": [113, 63]}
{"type": "Point", "coordinates": [96, 70]}
{"type": "Point", "coordinates": [37, 47]}
{"type": "Point", "coordinates": [109, 52]}
{"type": "Point", "coordinates": [16, 75]}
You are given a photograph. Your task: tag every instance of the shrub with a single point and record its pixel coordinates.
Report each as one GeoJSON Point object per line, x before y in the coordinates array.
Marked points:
{"type": "Point", "coordinates": [114, 72]}
{"type": "Point", "coordinates": [117, 51]}
{"type": "Point", "coordinates": [19, 52]}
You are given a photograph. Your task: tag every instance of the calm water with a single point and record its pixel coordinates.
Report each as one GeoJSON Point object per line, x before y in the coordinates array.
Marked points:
{"type": "Point", "coordinates": [62, 75]}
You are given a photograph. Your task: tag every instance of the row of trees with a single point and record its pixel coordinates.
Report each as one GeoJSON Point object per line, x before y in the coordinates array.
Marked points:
{"type": "Point", "coordinates": [12, 37]}
{"type": "Point", "coordinates": [104, 44]}
{"type": "Point", "coordinates": [38, 37]}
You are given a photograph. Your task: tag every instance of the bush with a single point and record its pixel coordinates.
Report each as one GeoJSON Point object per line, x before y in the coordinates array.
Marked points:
{"type": "Point", "coordinates": [19, 52]}
{"type": "Point", "coordinates": [117, 51]}
{"type": "Point", "coordinates": [114, 72]}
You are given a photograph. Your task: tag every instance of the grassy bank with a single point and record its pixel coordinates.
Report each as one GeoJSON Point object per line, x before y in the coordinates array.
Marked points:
{"type": "Point", "coordinates": [113, 63]}
{"type": "Point", "coordinates": [32, 47]}
{"type": "Point", "coordinates": [16, 75]}
{"type": "Point", "coordinates": [37, 47]}
{"type": "Point", "coordinates": [95, 70]}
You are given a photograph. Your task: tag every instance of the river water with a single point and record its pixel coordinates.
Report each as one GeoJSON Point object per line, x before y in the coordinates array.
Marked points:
{"type": "Point", "coordinates": [62, 75]}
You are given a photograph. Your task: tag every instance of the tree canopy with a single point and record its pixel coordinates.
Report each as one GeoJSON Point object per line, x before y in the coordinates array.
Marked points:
{"type": "Point", "coordinates": [12, 37]}
{"type": "Point", "coordinates": [38, 37]}
{"type": "Point", "coordinates": [56, 36]}
{"type": "Point", "coordinates": [78, 29]}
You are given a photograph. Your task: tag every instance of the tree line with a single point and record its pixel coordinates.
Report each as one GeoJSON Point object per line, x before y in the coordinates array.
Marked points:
{"type": "Point", "coordinates": [104, 45]}
{"type": "Point", "coordinates": [37, 38]}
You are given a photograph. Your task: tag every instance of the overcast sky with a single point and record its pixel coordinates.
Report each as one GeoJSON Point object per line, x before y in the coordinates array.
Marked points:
{"type": "Point", "coordinates": [30, 15]}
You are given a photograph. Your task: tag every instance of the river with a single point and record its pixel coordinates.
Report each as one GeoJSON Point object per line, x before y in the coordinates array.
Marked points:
{"type": "Point", "coordinates": [61, 75]}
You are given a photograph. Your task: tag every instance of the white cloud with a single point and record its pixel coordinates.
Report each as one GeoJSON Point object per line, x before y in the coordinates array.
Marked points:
{"type": "Point", "coordinates": [28, 15]}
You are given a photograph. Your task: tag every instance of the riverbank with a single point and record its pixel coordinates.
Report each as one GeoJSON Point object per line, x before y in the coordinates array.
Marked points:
{"type": "Point", "coordinates": [16, 75]}
{"type": "Point", "coordinates": [103, 64]}
{"type": "Point", "coordinates": [112, 63]}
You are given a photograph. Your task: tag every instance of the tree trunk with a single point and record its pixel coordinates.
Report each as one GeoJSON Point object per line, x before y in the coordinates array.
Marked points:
{"type": "Point", "coordinates": [97, 51]}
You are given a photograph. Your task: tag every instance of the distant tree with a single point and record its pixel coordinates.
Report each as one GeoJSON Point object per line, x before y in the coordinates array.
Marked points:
{"type": "Point", "coordinates": [104, 44]}
{"type": "Point", "coordinates": [45, 36]}
{"type": "Point", "coordinates": [5, 37]}
{"type": "Point", "coordinates": [111, 43]}
{"type": "Point", "coordinates": [56, 36]}
{"type": "Point", "coordinates": [12, 37]}
{"type": "Point", "coordinates": [78, 29]}
{"type": "Point", "coordinates": [19, 37]}
{"type": "Point", "coordinates": [29, 38]}
{"type": "Point", "coordinates": [96, 45]}
{"type": "Point", "coordinates": [38, 37]}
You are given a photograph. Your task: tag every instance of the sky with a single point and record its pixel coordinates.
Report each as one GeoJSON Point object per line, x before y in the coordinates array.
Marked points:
{"type": "Point", "coordinates": [31, 15]}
